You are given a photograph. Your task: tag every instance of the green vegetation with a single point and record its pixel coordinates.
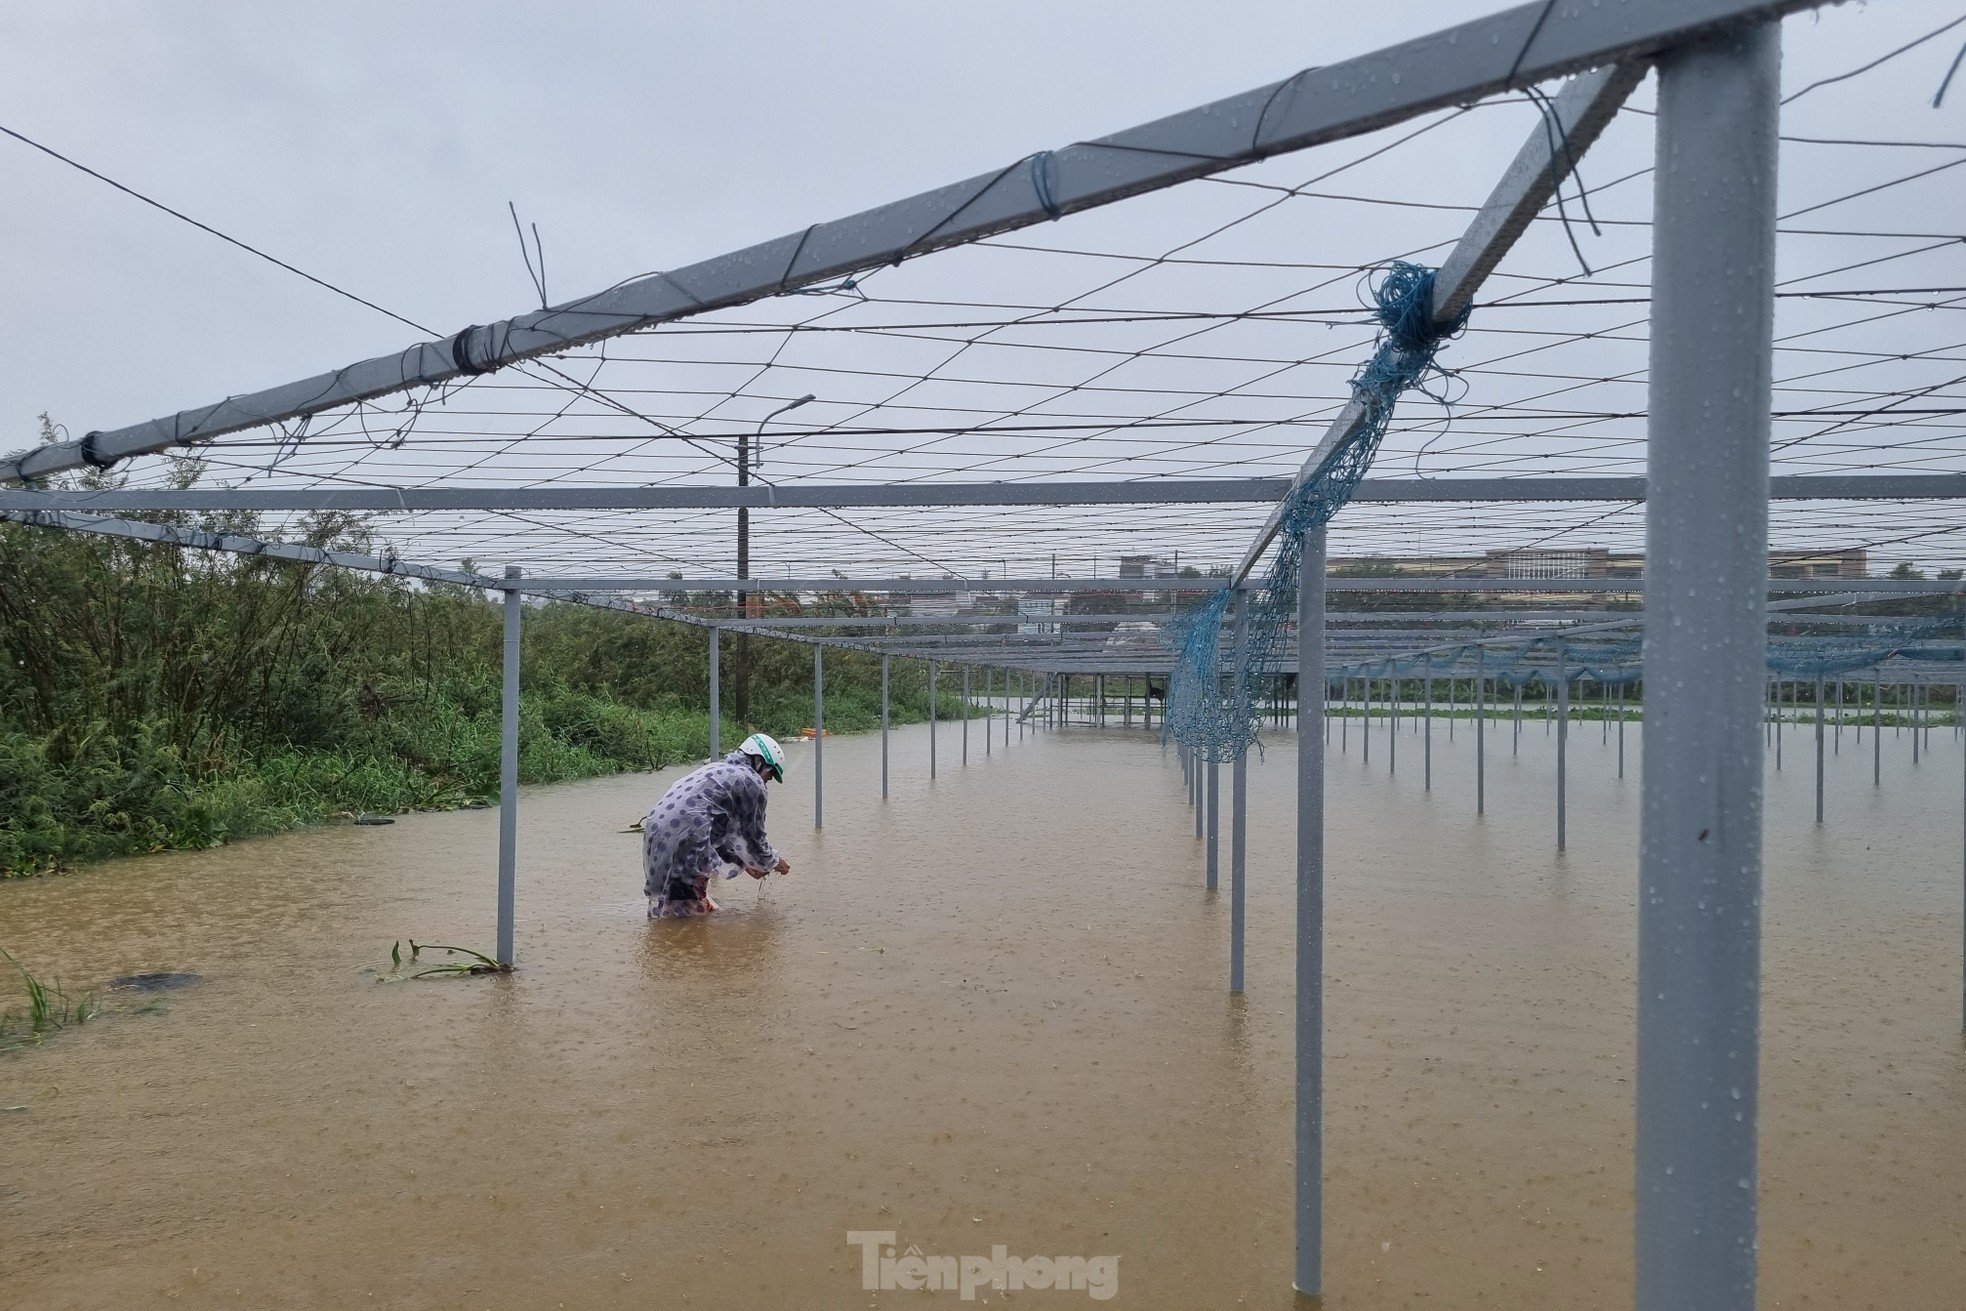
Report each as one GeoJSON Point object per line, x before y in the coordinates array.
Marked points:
{"type": "Point", "coordinates": [472, 962]}
{"type": "Point", "coordinates": [155, 697]}
{"type": "Point", "coordinates": [49, 1008]}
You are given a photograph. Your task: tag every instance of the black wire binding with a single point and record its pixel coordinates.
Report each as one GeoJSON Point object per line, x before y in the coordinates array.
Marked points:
{"type": "Point", "coordinates": [461, 353]}
{"type": "Point", "coordinates": [86, 448]}
{"type": "Point", "coordinates": [1041, 184]}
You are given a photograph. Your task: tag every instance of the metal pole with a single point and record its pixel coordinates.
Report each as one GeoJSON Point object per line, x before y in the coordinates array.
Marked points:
{"type": "Point", "coordinates": [965, 714]}
{"type": "Point", "coordinates": [1214, 816]}
{"type": "Point", "coordinates": [1392, 724]}
{"type": "Point", "coordinates": [508, 775]}
{"type": "Point", "coordinates": [1877, 733]}
{"type": "Point", "coordinates": [716, 707]}
{"type": "Point", "coordinates": [1238, 821]}
{"type": "Point", "coordinates": [819, 737]}
{"type": "Point", "coordinates": [884, 661]}
{"type": "Point", "coordinates": [989, 708]}
{"type": "Point", "coordinates": [1481, 731]}
{"type": "Point", "coordinates": [1562, 745]}
{"type": "Point", "coordinates": [1310, 916]}
{"type": "Point", "coordinates": [1365, 727]}
{"type": "Point", "coordinates": [1912, 696]}
{"type": "Point", "coordinates": [1837, 746]}
{"type": "Point", "coordinates": [931, 719]}
{"type": "Point", "coordinates": [1699, 885]}
{"type": "Point", "coordinates": [1778, 726]}
{"type": "Point", "coordinates": [1819, 748]}
{"type": "Point", "coordinates": [1621, 730]}
{"type": "Point", "coordinates": [1427, 737]}
{"type": "Point", "coordinates": [1515, 746]}
{"type": "Point", "coordinates": [1201, 801]}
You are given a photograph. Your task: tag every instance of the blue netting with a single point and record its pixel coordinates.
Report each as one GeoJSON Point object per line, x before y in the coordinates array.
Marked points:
{"type": "Point", "coordinates": [1213, 711]}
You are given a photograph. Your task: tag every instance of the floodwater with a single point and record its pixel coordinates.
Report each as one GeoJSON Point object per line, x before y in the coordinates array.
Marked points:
{"type": "Point", "coordinates": [991, 1011]}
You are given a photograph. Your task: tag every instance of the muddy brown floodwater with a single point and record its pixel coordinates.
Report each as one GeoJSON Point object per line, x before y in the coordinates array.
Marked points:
{"type": "Point", "coordinates": [991, 1011]}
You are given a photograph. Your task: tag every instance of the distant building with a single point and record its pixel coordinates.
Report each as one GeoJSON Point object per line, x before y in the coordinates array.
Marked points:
{"type": "Point", "coordinates": [1588, 562]}
{"type": "Point", "coordinates": [941, 605]}
{"type": "Point", "coordinates": [1146, 566]}
{"type": "Point", "coordinates": [1848, 562]}
{"type": "Point", "coordinates": [1034, 612]}
{"type": "Point", "coordinates": [1134, 635]}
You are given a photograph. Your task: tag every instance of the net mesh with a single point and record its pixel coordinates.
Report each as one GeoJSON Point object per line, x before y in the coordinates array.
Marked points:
{"type": "Point", "coordinates": [1214, 711]}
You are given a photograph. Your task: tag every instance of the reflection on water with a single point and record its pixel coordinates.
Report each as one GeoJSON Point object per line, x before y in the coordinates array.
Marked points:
{"type": "Point", "coordinates": [992, 1011]}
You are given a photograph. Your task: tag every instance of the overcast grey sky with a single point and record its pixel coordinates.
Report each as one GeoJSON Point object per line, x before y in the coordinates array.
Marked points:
{"type": "Point", "coordinates": [377, 145]}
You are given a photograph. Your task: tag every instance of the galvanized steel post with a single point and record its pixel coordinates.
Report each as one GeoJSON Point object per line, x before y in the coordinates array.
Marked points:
{"type": "Point", "coordinates": [1819, 748]}
{"type": "Point", "coordinates": [1238, 819]}
{"type": "Point", "coordinates": [1877, 733]}
{"type": "Point", "coordinates": [1481, 730]}
{"type": "Point", "coordinates": [819, 737]}
{"type": "Point", "coordinates": [1562, 745]}
{"type": "Point", "coordinates": [1198, 792]}
{"type": "Point", "coordinates": [1428, 741]}
{"type": "Point", "coordinates": [716, 706]}
{"type": "Point", "coordinates": [1700, 856]}
{"type": "Point", "coordinates": [1309, 1276]}
{"type": "Point", "coordinates": [884, 661]}
{"type": "Point", "coordinates": [508, 774]}
{"type": "Point", "coordinates": [1214, 818]}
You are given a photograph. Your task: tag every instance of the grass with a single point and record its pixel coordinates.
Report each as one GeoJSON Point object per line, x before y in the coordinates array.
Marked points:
{"type": "Point", "coordinates": [471, 962]}
{"type": "Point", "coordinates": [64, 806]}
{"type": "Point", "coordinates": [49, 1009]}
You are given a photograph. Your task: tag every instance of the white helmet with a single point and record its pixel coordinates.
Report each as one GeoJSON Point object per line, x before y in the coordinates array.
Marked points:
{"type": "Point", "coordinates": [767, 750]}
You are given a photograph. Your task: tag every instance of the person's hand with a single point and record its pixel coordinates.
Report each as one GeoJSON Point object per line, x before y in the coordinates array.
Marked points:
{"type": "Point", "coordinates": [783, 866]}
{"type": "Point", "coordinates": [757, 873]}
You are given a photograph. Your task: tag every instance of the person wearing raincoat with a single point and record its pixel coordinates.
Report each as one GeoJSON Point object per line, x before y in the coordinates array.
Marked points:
{"type": "Point", "coordinates": [711, 821]}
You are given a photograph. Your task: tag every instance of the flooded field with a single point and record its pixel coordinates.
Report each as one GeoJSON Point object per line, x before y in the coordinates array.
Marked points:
{"type": "Point", "coordinates": [991, 1011]}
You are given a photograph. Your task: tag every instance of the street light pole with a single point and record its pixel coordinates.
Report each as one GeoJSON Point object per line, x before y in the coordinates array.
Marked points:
{"type": "Point", "coordinates": [743, 689]}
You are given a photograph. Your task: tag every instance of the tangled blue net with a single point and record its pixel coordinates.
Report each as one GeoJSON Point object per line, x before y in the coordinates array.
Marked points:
{"type": "Point", "coordinates": [1212, 711]}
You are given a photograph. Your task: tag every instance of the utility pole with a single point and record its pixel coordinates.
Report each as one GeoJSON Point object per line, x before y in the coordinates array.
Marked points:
{"type": "Point", "coordinates": [746, 603]}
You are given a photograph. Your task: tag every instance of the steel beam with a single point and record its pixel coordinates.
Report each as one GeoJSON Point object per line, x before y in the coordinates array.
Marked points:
{"type": "Point", "coordinates": [1531, 43]}
{"type": "Point", "coordinates": [1856, 589]}
{"type": "Point", "coordinates": [1581, 111]}
{"type": "Point", "coordinates": [843, 496]}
